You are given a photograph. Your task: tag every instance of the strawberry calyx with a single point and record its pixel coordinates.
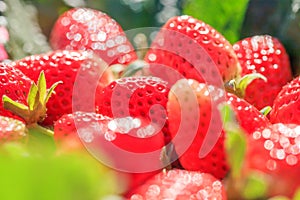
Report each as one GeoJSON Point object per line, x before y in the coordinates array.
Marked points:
{"type": "Point", "coordinates": [134, 67]}
{"type": "Point", "coordinates": [35, 110]}
{"type": "Point", "coordinates": [238, 86]}
{"type": "Point", "coordinates": [266, 110]}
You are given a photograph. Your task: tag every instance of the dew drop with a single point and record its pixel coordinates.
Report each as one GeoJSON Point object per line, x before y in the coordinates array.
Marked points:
{"type": "Point", "coordinates": [217, 186]}
{"type": "Point", "coordinates": [266, 133]}
{"type": "Point", "coordinates": [153, 191]}
{"type": "Point", "coordinates": [152, 57]}
{"type": "Point", "coordinates": [86, 134]}
{"type": "Point", "coordinates": [110, 136]}
{"type": "Point", "coordinates": [291, 160]}
{"type": "Point", "coordinates": [271, 165]}
{"type": "Point", "coordinates": [136, 197]}
{"type": "Point", "coordinates": [284, 142]}
{"type": "Point", "coordinates": [202, 194]}
{"type": "Point", "coordinates": [197, 179]}
{"type": "Point", "coordinates": [268, 145]}
{"type": "Point", "coordinates": [256, 135]}
{"type": "Point", "coordinates": [101, 36]}
{"type": "Point", "coordinates": [146, 131]}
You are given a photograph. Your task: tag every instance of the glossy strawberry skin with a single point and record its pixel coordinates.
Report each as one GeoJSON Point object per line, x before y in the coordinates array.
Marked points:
{"type": "Point", "coordinates": [144, 97]}
{"type": "Point", "coordinates": [182, 113]}
{"type": "Point", "coordinates": [188, 48]}
{"type": "Point", "coordinates": [195, 126]}
{"type": "Point", "coordinates": [93, 30]}
{"type": "Point", "coordinates": [91, 131]}
{"type": "Point", "coordinates": [275, 152]}
{"type": "Point", "coordinates": [70, 67]}
{"type": "Point", "coordinates": [180, 184]}
{"type": "Point", "coordinates": [266, 55]}
{"type": "Point", "coordinates": [248, 117]}
{"type": "Point", "coordinates": [15, 85]}
{"type": "Point", "coordinates": [11, 130]}
{"type": "Point", "coordinates": [286, 107]}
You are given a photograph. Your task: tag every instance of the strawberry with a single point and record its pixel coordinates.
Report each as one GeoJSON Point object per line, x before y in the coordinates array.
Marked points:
{"type": "Point", "coordinates": [11, 129]}
{"type": "Point", "coordinates": [196, 128]}
{"type": "Point", "coordinates": [72, 67]}
{"type": "Point", "coordinates": [15, 85]}
{"type": "Point", "coordinates": [88, 29]}
{"type": "Point", "coordinates": [195, 124]}
{"type": "Point", "coordinates": [248, 117]}
{"type": "Point", "coordinates": [274, 151]}
{"type": "Point", "coordinates": [266, 55]}
{"type": "Point", "coordinates": [142, 96]}
{"type": "Point", "coordinates": [180, 184]}
{"type": "Point", "coordinates": [101, 135]}
{"type": "Point", "coordinates": [286, 107]}
{"type": "Point", "coordinates": [188, 48]}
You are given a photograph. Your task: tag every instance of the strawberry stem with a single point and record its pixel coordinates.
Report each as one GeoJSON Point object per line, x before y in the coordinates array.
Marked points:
{"type": "Point", "coordinates": [238, 86]}
{"type": "Point", "coordinates": [39, 129]}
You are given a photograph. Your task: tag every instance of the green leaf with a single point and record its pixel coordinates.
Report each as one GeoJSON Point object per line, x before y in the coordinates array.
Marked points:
{"type": "Point", "coordinates": [51, 90]}
{"type": "Point", "coordinates": [42, 87]}
{"type": "Point", "coordinates": [255, 187]}
{"type": "Point", "coordinates": [56, 177]}
{"type": "Point", "coordinates": [225, 16]}
{"type": "Point", "coordinates": [15, 107]}
{"type": "Point", "coordinates": [33, 97]}
{"type": "Point", "coordinates": [235, 142]}
{"type": "Point", "coordinates": [134, 67]}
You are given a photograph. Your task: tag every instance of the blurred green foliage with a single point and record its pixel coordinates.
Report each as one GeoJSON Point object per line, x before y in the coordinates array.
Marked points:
{"type": "Point", "coordinates": [225, 16]}
{"type": "Point", "coordinates": [27, 176]}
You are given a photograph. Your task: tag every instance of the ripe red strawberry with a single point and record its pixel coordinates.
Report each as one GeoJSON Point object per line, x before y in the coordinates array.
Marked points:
{"type": "Point", "coordinates": [101, 135]}
{"type": "Point", "coordinates": [142, 96]}
{"type": "Point", "coordinates": [248, 117]}
{"type": "Point", "coordinates": [195, 124]}
{"type": "Point", "coordinates": [11, 129]}
{"type": "Point", "coordinates": [15, 85]}
{"type": "Point", "coordinates": [187, 47]}
{"type": "Point", "coordinates": [69, 66]}
{"type": "Point", "coordinates": [180, 184]}
{"type": "Point", "coordinates": [275, 151]}
{"type": "Point", "coordinates": [88, 29]}
{"type": "Point", "coordinates": [286, 107]}
{"type": "Point", "coordinates": [196, 127]}
{"type": "Point", "coordinates": [266, 55]}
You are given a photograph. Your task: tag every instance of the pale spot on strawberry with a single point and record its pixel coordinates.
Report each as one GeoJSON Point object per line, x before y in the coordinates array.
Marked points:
{"type": "Point", "coordinates": [291, 160]}
{"type": "Point", "coordinates": [268, 145]}
{"type": "Point", "coordinates": [266, 133]}
{"type": "Point", "coordinates": [77, 37]}
{"type": "Point", "coordinates": [124, 125]}
{"type": "Point", "coordinates": [110, 136]}
{"type": "Point", "coordinates": [271, 165]}
{"type": "Point", "coordinates": [284, 142]}
{"type": "Point", "coordinates": [202, 194]}
{"type": "Point", "coordinates": [153, 191]}
{"type": "Point", "coordinates": [146, 131]}
{"type": "Point", "coordinates": [86, 134]}
{"type": "Point", "coordinates": [136, 197]}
